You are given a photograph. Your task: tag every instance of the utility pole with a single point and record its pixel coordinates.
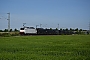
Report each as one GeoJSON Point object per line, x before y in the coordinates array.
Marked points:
{"type": "Point", "coordinates": [89, 27]}
{"type": "Point", "coordinates": [8, 21]}
{"type": "Point", "coordinates": [36, 26]}
{"type": "Point", "coordinates": [58, 26]}
{"type": "Point", "coordinates": [24, 24]}
{"type": "Point", "coordinates": [40, 25]}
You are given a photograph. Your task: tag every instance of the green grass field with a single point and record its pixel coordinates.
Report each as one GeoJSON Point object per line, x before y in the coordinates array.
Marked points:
{"type": "Point", "coordinates": [60, 47]}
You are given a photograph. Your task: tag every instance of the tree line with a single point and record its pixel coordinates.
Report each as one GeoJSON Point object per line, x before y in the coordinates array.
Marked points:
{"type": "Point", "coordinates": [11, 30]}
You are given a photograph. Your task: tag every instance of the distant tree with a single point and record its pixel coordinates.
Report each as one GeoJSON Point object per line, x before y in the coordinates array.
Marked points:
{"type": "Point", "coordinates": [15, 30]}
{"type": "Point", "coordinates": [73, 29]}
{"type": "Point", "coordinates": [70, 29]}
{"type": "Point", "coordinates": [87, 32]}
{"type": "Point", "coordinates": [46, 28]}
{"type": "Point", "coordinates": [50, 28]}
{"type": "Point", "coordinates": [80, 31]}
{"type": "Point", "coordinates": [56, 28]}
{"type": "Point", "coordinates": [6, 30]}
{"type": "Point", "coordinates": [1, 31]}
{"type": "Point", "coordinates": [61, 29]}
{"type": "Point", "coordinates": [66, 29]}
{"type": "Point", "coordinates": [76, 29]}
{"type": "Point", "coordinates": [10, 30]}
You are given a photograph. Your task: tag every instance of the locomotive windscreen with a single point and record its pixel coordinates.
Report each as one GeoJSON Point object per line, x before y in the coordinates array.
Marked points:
{"type": "Point", "coordinates": [21, 28]}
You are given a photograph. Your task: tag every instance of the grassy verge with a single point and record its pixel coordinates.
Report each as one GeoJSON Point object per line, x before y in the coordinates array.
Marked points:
{"type": "Point", "coordinates": [8, 34]}
{"type": "Point", "coordinates": [65, 47]}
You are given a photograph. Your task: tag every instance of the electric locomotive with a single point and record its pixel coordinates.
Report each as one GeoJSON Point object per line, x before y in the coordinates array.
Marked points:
{"type": "Point", "coordinates": [28, 31]}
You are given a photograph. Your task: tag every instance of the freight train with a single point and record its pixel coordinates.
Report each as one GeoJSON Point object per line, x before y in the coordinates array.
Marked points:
{"type": "Point", "coordinates": [37, 31]}
{"type": "Point", "coordinates": [42, 31]}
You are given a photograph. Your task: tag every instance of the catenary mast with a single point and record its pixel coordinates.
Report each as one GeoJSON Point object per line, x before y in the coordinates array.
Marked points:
{"type": "Point", "coordinates": [8, 21]}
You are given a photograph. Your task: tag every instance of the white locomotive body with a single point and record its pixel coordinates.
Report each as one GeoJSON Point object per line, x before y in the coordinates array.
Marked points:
{"type": "Point", "coordinates": [28, 30]}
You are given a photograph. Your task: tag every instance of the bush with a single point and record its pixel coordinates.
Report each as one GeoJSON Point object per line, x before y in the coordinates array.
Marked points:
{"type": "Point", "coordinates": [5, 34]}
{"type": "Point", "coordinates": [15, 34]}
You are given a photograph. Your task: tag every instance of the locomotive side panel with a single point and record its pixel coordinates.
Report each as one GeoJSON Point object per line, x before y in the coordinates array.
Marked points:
{"type": "Point", "coordinates": [30, 31]}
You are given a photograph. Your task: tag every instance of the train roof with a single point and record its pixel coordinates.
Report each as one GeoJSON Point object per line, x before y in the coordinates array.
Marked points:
{"type": "Point", "coordinates": [28, 28]}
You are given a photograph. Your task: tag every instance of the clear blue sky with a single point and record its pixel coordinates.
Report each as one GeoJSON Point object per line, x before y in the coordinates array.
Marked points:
{"type": "Point", "coordinates": [49, 13]}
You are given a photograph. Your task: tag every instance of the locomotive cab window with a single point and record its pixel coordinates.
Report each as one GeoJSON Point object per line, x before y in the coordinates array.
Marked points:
{"type": "Point", "coordinates": [21, 28]}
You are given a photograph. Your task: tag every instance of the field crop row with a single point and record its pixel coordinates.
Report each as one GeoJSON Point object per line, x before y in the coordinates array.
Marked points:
{"type": "Point", "coordinates": [65, 47]}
